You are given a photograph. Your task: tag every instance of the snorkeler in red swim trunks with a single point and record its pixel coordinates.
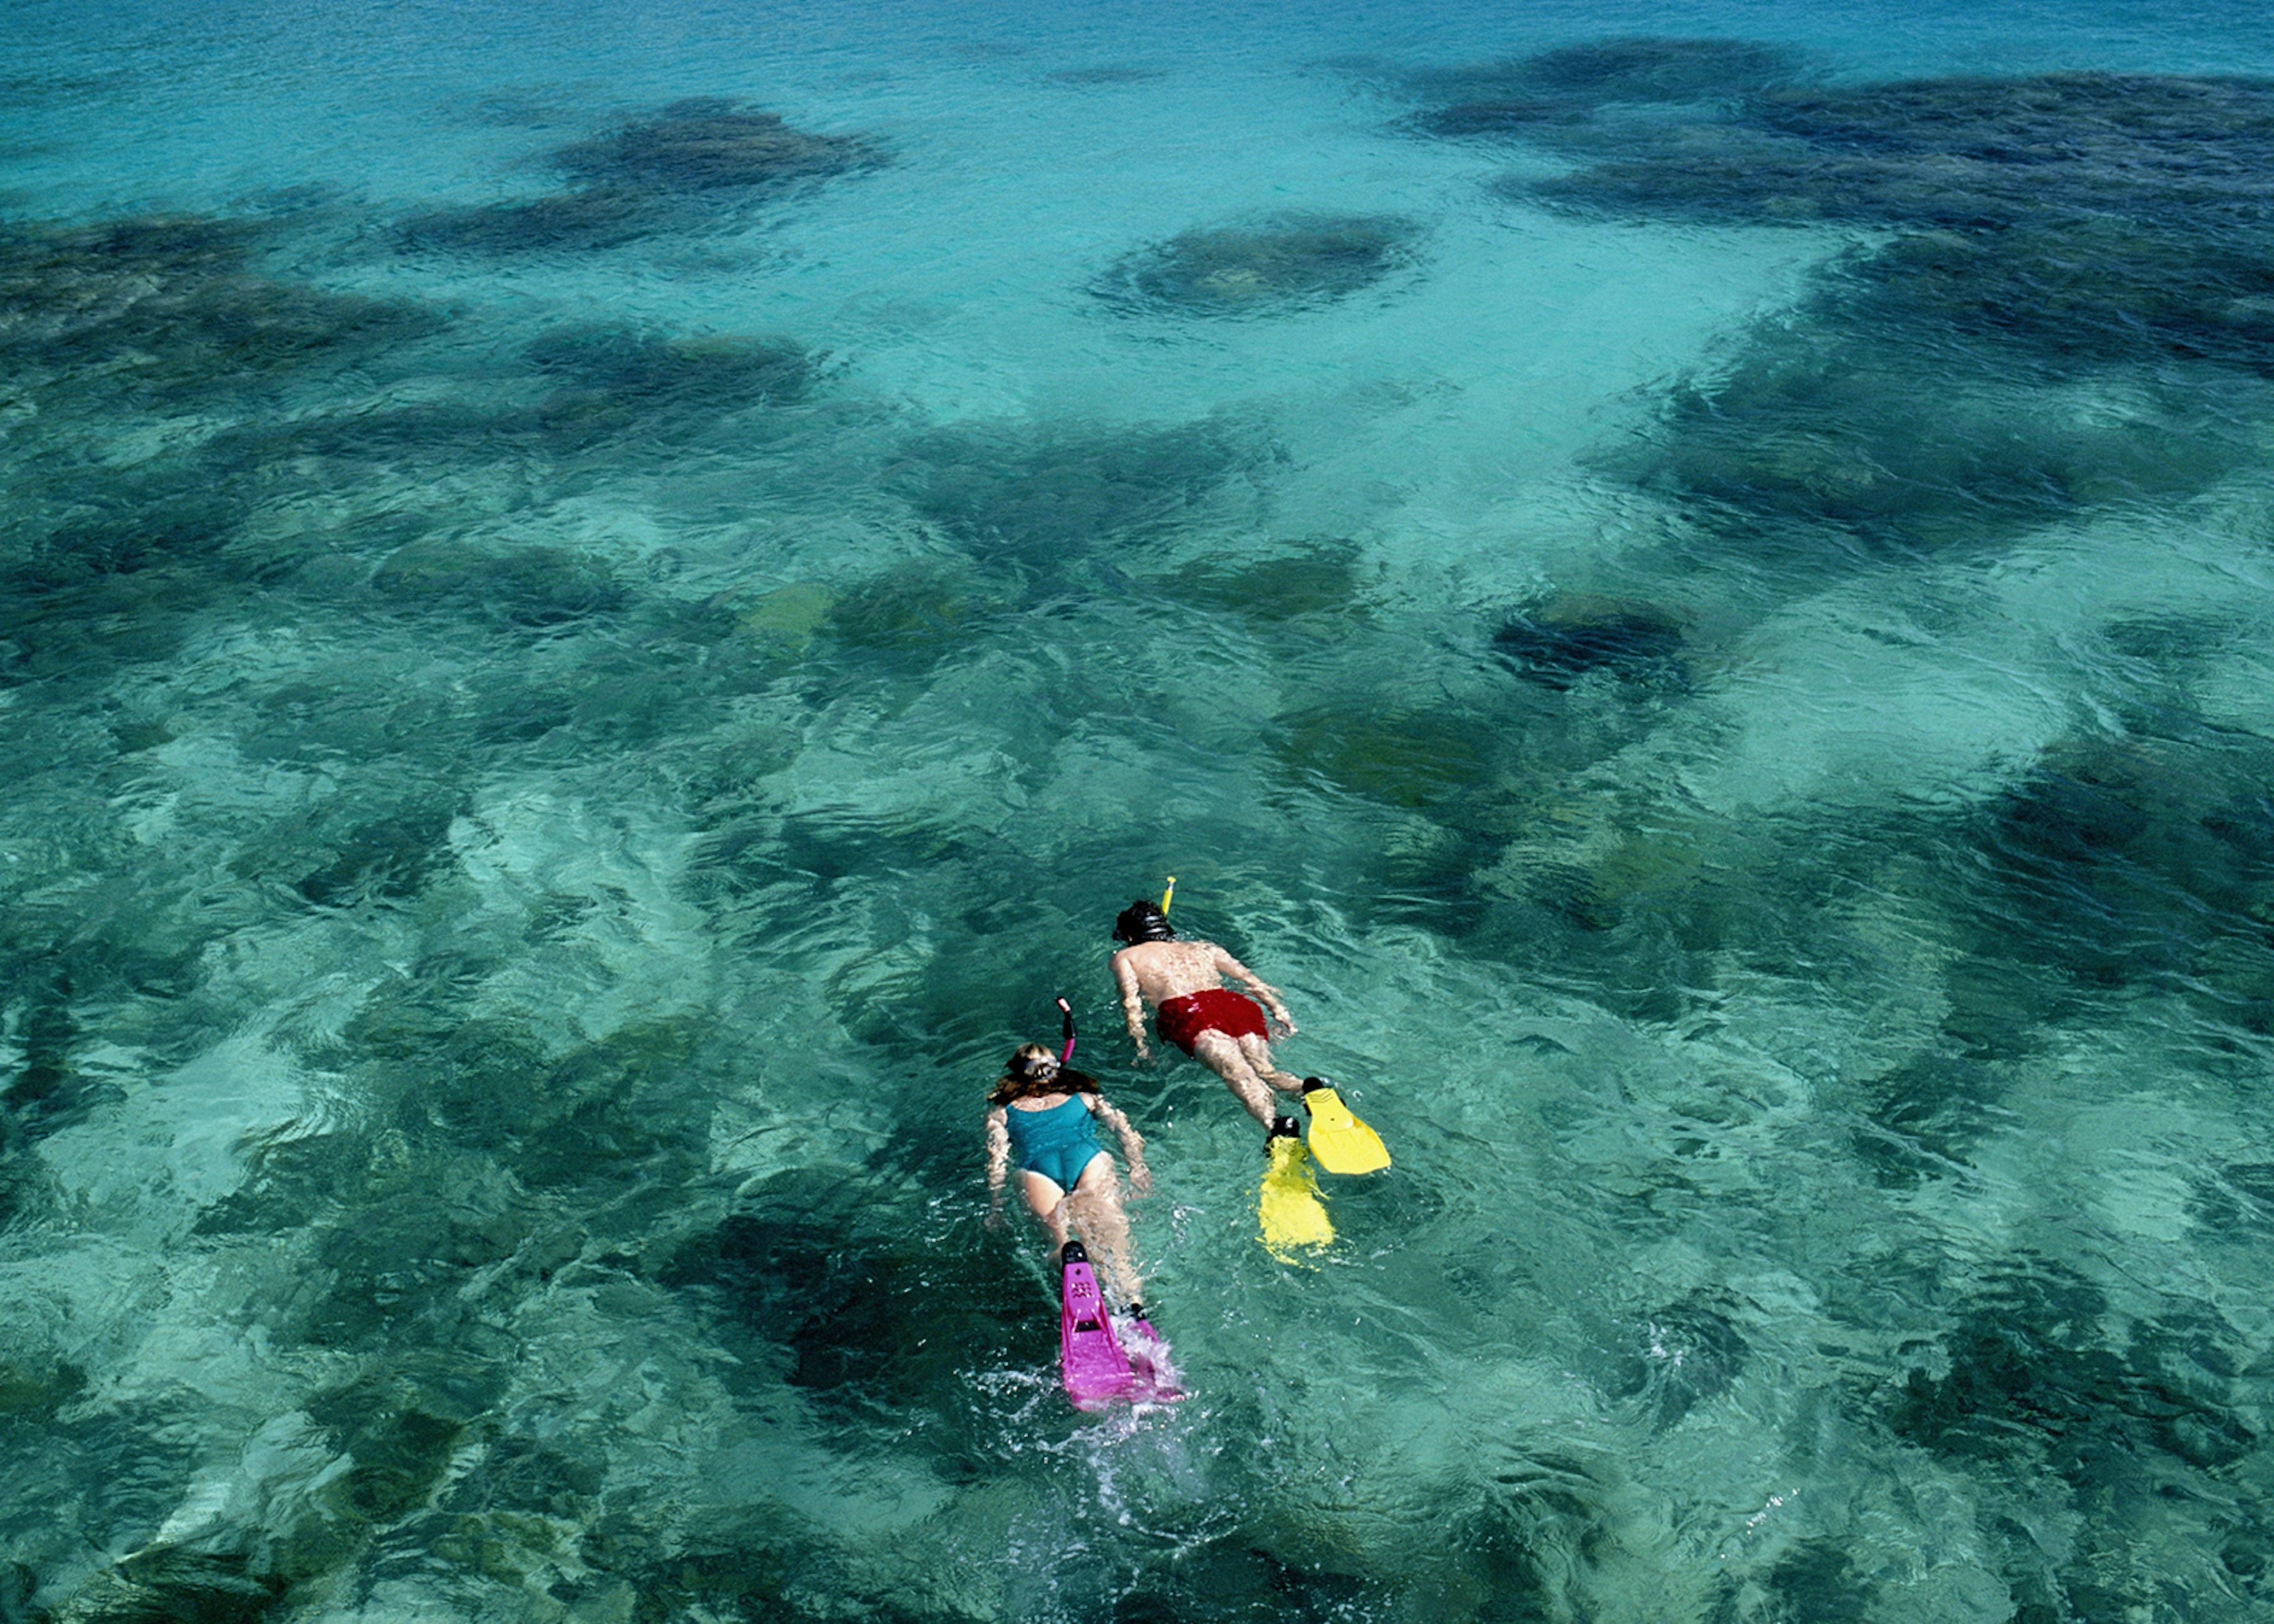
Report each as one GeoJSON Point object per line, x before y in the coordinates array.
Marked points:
{"type": "Point", "coordinates": [1183, 982]}
{"type": "Point", "coordinates": [1183, 1021]}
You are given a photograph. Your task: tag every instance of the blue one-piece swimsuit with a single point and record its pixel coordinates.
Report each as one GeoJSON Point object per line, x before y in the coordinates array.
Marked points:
{"type": "Point", "coordinates": [1059, 1143]}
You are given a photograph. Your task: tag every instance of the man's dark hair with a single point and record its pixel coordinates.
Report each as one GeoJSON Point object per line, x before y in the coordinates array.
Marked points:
{"type": "Point", "coordinates": [1141, 922]}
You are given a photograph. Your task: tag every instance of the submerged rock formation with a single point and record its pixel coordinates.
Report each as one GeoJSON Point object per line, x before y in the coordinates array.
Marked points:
{"type": "Point", "coordinates": [687, 165]}
{"type": "Point", "coordinates": [559, 222]}
{"type": "Point", "coordinates": [2054, 244]}
{"type": "Point", "coordinates": [1050, 495]}
{"type": "Point", "coordinates": [710, 144]}
{"type": "Point", "coordinates": [172, 312]}
{"type": "Point", "coordinates": [1270, 267]}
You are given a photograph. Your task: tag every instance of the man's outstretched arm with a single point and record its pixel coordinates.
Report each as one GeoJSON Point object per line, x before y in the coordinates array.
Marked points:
{"type": "Point", "coordinates": [1132, 1006]}
{"type": "Point", "coordinates": [1226, 965]}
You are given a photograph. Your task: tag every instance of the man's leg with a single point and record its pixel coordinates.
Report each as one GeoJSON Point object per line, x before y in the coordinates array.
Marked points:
{"type": "Point", "coordinates": [1258, 1055]}
{"type": "Point", "coordinates": [1223, 1054]}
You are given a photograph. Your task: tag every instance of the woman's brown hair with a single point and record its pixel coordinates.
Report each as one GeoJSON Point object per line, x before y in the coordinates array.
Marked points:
{"type": "Point", "coordinates": [1019, 1081]}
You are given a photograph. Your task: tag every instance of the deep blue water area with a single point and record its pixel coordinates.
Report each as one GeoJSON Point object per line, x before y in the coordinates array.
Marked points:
{"type": "Point", "coordinates": [599, 606]}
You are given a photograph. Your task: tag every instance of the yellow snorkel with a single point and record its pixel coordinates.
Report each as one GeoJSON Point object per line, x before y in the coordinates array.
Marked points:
{"type": "Point", "coordinates": [1167, 895]}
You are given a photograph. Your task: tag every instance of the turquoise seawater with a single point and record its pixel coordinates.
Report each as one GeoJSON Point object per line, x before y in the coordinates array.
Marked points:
{"type": "Point", "coordinates": [598, 606]}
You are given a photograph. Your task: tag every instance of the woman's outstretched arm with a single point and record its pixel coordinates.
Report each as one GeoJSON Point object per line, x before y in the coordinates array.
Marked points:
{"type": "Point", "coordinates": [1132, 1143]}
{"type": "Point", "coordinates": [998, 1163]}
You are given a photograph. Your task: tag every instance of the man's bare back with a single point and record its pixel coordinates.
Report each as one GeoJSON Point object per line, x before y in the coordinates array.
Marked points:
{"type": "Point", "coordinates": [1161, 971]}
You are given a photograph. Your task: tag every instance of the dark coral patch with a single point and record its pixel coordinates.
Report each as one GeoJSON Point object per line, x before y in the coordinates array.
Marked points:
{"type": "Point", "coordinates": [2071, 260]}
{"type": "Point", "coordinates": [1963, 152]}
{"type": "Point", "coordinates": [144, 520]}
{"type": "Point", "coordinates": [1296, 580]}
{"type": "Point", "coordinates": [528, 586]}
{"type": "Point", "coordinates": [1046, 498]}
{"type": "Point", "coordinates": [2035, 1375]}
{"type": "Point", "coordinates": [865, 1318]}
{"type": "Point", "coordinates": [2121, 863]}
{"type": "Point", "coordinates": [600, 384]}
{"type": "Point", "coordinates": [1406, 757]}
{"type": "Point", "coordinates": [560, 222]}
{"type": "Point", "coordinates": [1925, 1118]}
{"type": "Point", "coordinates": [670, 172]}
{"type": "Point", "coordinates": [48, 1091]}
{"type": "Point", "coordinates": [1564, 642]}
{"type": "Point", "coordinates": [2235, 1201]}
{"type": "Point", "coordinates": [616, 381]}
{"type": "Point", "coordinates": [722, 372]}
{"type": "Point", "coordinates": [1682, 1355]}
{"type": "Point", "coordinates": [711, 144]}
{"type": "Point", "coordinates": [420, 437]}
{"type": "Point", "coordinates": [1598, 72]}
{"type": "Point", "coordinates": [1846, 419]}
{"type": "Point", "coordinates": [342, 857]}
{"type": "Point", "coordinates": [101, 564]}
{"type": "Point", "coordinates": [1271, 267]}
{"type": "Point", "coordinates": [169, 1583]}
{"type": "Point", "coordinates": [1565, 89]}
{"type": "Point", "coordinates": [2098, 214]}
{"type": "Point", "coordinates": [1662, 69]}
{"type": "Point", "coordinates": [1237, 1575]}
{"type": "Point", "coordinates": [912, 610]}
{"type": "Point", "coordinates": [1734, 137]}
{"type": "Point", "coordinates": [2085, 290]}
{"type": "Point", "coordinates": [2107, 865]}
{"type": "Point", "coordinates": [168, 311]}
{"type": "Point", "coordinates": [1815, 1579]}
{"type": "Point", "coordinates": [1089, 78]}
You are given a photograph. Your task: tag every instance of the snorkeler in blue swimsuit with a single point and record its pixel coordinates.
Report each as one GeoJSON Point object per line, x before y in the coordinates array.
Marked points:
{"type": "Point", "coordinates": [1057, 1141]}
{"type": "Point", "coordinates": [1045, 1114]}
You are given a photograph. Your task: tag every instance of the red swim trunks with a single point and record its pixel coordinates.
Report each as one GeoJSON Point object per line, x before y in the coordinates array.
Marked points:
{"type": "Point", "coordinates": [1213, 1009]}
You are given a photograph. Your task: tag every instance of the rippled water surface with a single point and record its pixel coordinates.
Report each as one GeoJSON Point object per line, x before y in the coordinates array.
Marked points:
{"type": "Point", "coordinates": [599, 606]}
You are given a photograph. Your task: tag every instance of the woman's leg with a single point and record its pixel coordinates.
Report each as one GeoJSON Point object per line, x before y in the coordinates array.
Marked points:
{"type": "Point", "coordinates": [1048, 1203]}
{"type": "Point", "coordinates": [1096, 1205]}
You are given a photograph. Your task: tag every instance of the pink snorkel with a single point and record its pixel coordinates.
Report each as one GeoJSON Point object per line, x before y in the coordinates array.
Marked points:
{"type": "Point", "coordinates": [1065, 1031]}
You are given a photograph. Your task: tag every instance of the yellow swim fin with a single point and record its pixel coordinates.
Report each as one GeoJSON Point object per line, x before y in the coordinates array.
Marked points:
{"type": "Point", "coordinates": [1288, 1204]}
{"type": "Point", "coordinates": [1342, 1143]}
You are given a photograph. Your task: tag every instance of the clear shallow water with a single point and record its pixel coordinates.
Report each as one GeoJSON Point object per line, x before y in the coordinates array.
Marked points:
{"type": "Point", "coordinates": [1702, 615]}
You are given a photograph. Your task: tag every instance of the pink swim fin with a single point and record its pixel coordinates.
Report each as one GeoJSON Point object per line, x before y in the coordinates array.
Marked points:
{"type": "Point", "coordinates": [1095, 1371]}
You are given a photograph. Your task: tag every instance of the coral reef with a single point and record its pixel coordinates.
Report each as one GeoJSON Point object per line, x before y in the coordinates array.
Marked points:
{"type": "Point", "coordinates": [1307, 578]}
{"type": "Point", "coordinates": [1570, 638]}
{"type": "Point", "coordinates": [1572, 85]}
{"type": "Point", "coordinates": [1045, 497]}
{"type": "Point", "coordinates": [2091, 215]}
{"type": "Point", "coordinates": [173, 311]}
{"type": "Point", "coordinates": [711, 144]}
{"type": "Point", "coordinates": [2044, 230]}
{"type": "Point", "coordinates": [519, 585]}
{"type": "Point", "coordinates": [560, 222]}
{"type": "Point", "coordinates": [674, 170]}
{"type": "Point", "coordinates": [1270, 267]}
{"type": "Point", "coordinates": [638, 371]}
